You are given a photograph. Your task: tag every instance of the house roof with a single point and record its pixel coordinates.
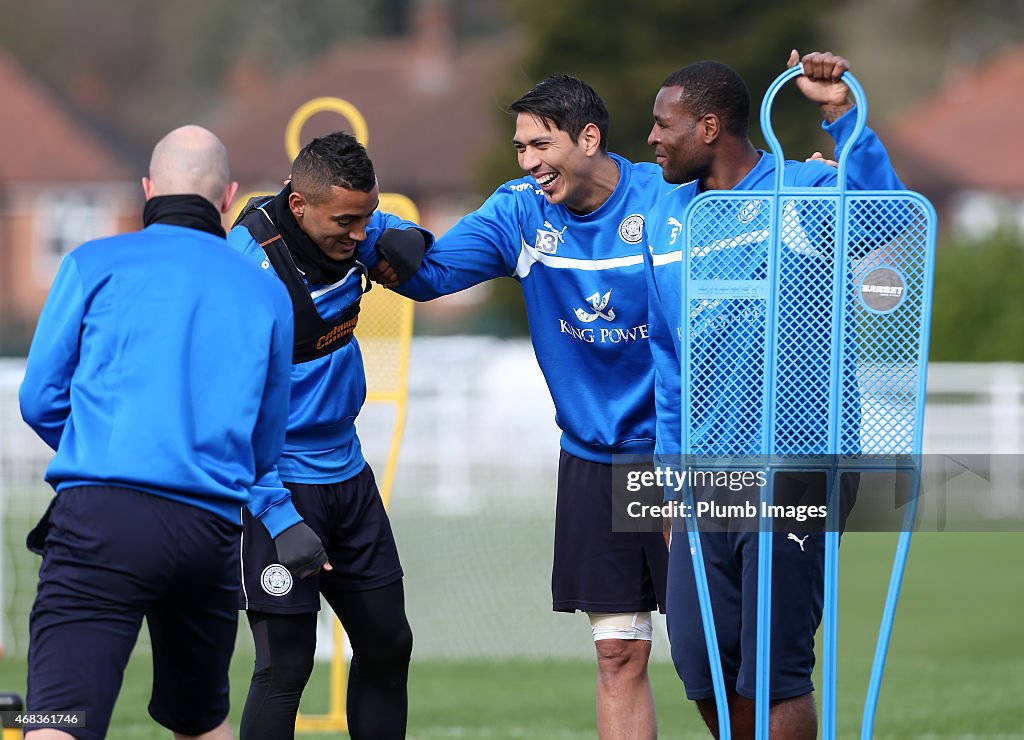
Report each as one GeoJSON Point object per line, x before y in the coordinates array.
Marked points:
{"type": "Point", "coordinates": [41, 140]}
{"type": "Point", "coordinates": [969, 134]}
{"type": "Point", "coordinates": [431, 112]}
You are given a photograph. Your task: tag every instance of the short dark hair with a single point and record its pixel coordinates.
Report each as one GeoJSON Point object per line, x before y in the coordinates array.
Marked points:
{"type": "Point", "coordinates": [713, 87]}
{"type": "Point", "coordinates": [336, 159]}
{"type": "Point", "coordinates": [568, 104]}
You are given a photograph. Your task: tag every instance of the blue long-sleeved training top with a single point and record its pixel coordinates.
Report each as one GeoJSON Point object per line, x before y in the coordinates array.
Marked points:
{"type": "Point", "coordinates": [321, 445]}
{"type": "Point", "coordinates": [160, 363]}
{"type": "Point", "coordinates": [586, 300]}
{"type": "Point", "coordinates": [868, 168]}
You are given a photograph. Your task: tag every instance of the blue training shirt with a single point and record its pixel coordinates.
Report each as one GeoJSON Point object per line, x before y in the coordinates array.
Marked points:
{"type": "Point", "coordinates": [321, 445]}
{"type": "Point", "coordinates": [160, 363]}
{"type": "Point", "coordinates": [868, 168]}
{"type": "Point", "coordinates": [586, 300]}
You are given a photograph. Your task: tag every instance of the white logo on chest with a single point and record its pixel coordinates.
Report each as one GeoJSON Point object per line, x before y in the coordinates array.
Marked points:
{"type": "Point", "coordinates": [548, 238]}
{"type": "Point", "coordinates": [631, 230]}
{"type": "Point", "coordinates": [677, 229]}
{"type": "Point", "coordinates": [599, 303]}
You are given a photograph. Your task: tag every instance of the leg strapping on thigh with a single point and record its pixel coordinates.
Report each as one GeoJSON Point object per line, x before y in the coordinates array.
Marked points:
{"type": "Point", "coordinates": [628, 626]}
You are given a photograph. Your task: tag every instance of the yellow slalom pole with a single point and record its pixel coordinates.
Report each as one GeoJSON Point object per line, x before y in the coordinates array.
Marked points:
{"type": "Point", "coordinates": [11, 705]}
{"type": "Point", "coordinates": [345, 109]}
{"type": "Point", "coordinates": [387, 366]}
{"type": "Point", "coordinates": [239, 203]}
{"type": "Point", "coordinates": [384, 333]}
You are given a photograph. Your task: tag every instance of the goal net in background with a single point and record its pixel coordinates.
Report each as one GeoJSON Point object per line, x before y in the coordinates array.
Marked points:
{"type": "Point", "coordinates": [472, 504]}
{"type": "Point", "coordinates": [473, 497]}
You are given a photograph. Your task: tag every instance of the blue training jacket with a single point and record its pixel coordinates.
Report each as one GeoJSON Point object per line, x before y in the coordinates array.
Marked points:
{"type": "Point", "coordinates": [321, 445]}
{"type": "Point", "coordinates": [586, 300]}
{"type": "Point", "coordinates": [868, 168]}
{"type": "Point", "coordinates": [160, 363]}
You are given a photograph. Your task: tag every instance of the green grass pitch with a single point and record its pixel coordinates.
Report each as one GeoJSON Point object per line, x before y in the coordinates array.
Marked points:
{"type": "Point", "coordinates": [955, 670]}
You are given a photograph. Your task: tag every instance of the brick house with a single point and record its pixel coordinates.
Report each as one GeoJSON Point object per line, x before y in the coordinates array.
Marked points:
{"type": "Point", "coordinates": [60, 185]}
{"type": "Point", "coordinates": [432, 109]}
{"type": "Point", "coordinates": [963, 147]}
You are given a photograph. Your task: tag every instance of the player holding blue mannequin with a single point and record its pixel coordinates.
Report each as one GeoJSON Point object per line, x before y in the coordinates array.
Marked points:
{"type": "Point", "coordinates": [701, 142]}
{"type": "Point", "coordinates": [571, 233]}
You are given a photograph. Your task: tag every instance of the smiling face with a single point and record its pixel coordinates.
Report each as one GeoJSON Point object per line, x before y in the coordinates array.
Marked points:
{"type": "Point", "coordinates": [560, 165]}
{"type": "Point", "coordinates": [680, 140]}
{"type": "Point", "coordinates": [337, 223]}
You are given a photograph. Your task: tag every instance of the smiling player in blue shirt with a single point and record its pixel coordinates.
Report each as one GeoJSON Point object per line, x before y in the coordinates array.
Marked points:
{"type": "Point", "coordinates": [319, 236]}
{"type": "Point", "coordinates": [700, 140]}
{"type": "Point", "coordinates": [571, 233]}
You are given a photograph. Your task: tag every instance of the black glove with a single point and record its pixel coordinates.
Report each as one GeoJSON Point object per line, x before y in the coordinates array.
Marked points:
{"type": "Point", "coordinates": [404, 250]}
{"type": "Point", "coordinates": [300, 550]}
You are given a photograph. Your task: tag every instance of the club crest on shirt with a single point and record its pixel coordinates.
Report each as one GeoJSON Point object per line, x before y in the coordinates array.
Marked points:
{"type": "Point", "coordinates": [749, 211]}
{"type": "Point", "coordinates": [548, 238]}
{"type": "Point", "coordinates": [631, 230]}
{"type": "Point", "coordinates": [276, 580]}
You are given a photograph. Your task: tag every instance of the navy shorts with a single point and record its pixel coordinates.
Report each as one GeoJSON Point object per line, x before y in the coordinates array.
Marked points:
{"type": "Point", "coordinates": [350, 520]}
{"type": "Point", "coordinates": [112, 556]}
{"type": "Point", "coordinates": [596, 569]}
{"type": "Point", "coordinates": [730, 559]}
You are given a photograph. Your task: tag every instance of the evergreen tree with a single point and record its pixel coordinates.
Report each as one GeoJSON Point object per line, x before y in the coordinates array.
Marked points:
{"type": "Point", "coordinates": [625, 48]}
